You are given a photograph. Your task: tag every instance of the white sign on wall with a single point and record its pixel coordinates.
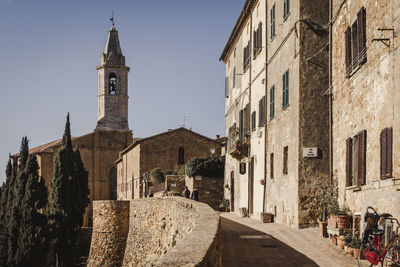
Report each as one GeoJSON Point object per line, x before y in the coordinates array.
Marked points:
{"type": "Point", "coordinates": [198, 178]}
{"type": "Point", "coordinates": [310, 152]}
{"type": "Point", "coordinates": [173, 185]}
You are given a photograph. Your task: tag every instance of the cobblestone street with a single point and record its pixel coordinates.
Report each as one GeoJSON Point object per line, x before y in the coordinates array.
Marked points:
{"type": "Point", "coordinates": [248, 242]}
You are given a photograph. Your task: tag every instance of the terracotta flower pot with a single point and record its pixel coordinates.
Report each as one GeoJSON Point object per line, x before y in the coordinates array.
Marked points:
{"type": "Point", "coordinates": [343, 221]}
{"type": "Point", "coordinates": [355, 252]}
{"type": "Point", "coordinates": [332, 221]}
{"type": "Point", "coordinates": [349, 251]}
{"type": "Point", "coordinates": [340, 242]}
{"type": "Point", "coordinates": [333, 239]}
{"type": "Point", "coordinates": [262, 181]}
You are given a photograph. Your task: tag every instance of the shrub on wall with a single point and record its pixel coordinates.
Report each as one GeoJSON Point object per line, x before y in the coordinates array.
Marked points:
{"type": "Point", "coordinates": [157, 176]}
{"type": "Point", "coordinates": [211, 166]}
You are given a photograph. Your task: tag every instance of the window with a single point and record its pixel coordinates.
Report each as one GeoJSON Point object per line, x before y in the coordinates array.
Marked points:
{"type": "Point", "coordinates": [246, 57]}
{"type": "Point", "coordinates": [257, 40]}
{"type": "Point", "coordinates": [286, 9]}
{"type": "Point", "coordinates": [386, 141]}
{"type": "Point", "coordinates": [356, 148]}
{"type": "Point", "coordinates": [271, 165]}
{"type": "Point", "coordinates": [285, 159]}
{"type": "Point", "coordinates": [234, 78]}
{"type": "Point", "coordinates": [253, 120]}
{"type": "Point", "coordinates": [285, 90]}
{"type": "Point", "coordinates": [181, 155]}
{"type": "Point", "coordinates": [112, 82]}
{"type": "Point", "coordinates": [226, 87]}
{"type": "Point", "coordinates": [356, 43]}
{"type": "Point", "coordinates": [272, 102]}
{"type": "Point", "coordinates": [234, 53]}
{"type": "Point", "coordinates": [261, 111]}
{"type": "Point", "coordinates": [272, 17]}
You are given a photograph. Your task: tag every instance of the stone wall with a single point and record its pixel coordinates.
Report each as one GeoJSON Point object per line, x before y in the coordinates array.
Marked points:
{"type": "Point", "coordinates": [168, 231]}
{"type": "Point", "coordinates": [211, 189]}
{"type": "Point", "coordinates": [367, 100]}
{"type": "Point", "coordinates": [110, 231]}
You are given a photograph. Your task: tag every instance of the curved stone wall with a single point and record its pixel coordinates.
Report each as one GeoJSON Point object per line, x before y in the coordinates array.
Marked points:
{"type": "Point", "coordinates": [110, 230]}
{"type": "Point", "coordinates": [168, 231]}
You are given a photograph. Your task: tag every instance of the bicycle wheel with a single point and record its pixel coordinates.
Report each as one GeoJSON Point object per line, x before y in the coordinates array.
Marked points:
{"type": "Point", "coordinates": [392, 257]}
{"type": "Point", "coordinates": [361, 256]}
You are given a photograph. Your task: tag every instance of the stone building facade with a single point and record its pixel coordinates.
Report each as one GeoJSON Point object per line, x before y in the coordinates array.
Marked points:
{"type": "Point", "coordinates": [168, 151]}
{"type": "Point", "coordinates": [101, 148]}
{"type": "Point", "coordinates": [366, 93]}
{"type": "Point", "coordinates": [275, 108]}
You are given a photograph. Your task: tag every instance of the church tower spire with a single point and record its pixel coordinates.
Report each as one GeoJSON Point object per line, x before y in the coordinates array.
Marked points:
{"type": "Point", "coordinates": [112, 86]}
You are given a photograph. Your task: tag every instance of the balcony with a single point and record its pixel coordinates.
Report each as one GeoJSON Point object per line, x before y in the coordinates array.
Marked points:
{"type": "Point", "coordinates": [238, 148]}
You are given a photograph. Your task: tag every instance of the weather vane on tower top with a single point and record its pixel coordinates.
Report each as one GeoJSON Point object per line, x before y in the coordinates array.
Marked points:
{"type": "Point", "coordinates": [112, 19]}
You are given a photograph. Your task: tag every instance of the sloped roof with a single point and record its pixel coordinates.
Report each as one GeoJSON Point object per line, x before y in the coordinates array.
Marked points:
{"type": "Point", "coordinates": [135, 143]}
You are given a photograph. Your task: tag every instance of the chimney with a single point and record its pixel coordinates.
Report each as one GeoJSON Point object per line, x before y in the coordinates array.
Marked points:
{"type": "Point", "coordinates": [217, 136]}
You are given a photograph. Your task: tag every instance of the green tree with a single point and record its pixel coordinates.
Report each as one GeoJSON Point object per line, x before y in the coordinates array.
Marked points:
{"type": "Point", "coordinates": [14, 204]}
{"type": "Point", "coordinates": [157, 176]}
{"type": "Point", "coordinates": [69, 198]}
{"type": "Point", "coordinates": [32, 241]}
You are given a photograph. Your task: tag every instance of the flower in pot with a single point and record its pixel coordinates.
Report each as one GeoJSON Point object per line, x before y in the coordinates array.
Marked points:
{"type": "Point", "coordinates": [223, 205]}
{"type": "Point", "coordinates": [347, 242]}
{"type": "Point", "coordinates": [356, 244]}
{"type": "Point", "coordinates": [262, 181]}
{"type": "Point", "coordinates": [340, 242]}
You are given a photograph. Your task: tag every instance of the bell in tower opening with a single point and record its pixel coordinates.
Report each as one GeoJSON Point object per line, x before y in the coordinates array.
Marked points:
{"type": "Point", "coordinates": [113, 84]}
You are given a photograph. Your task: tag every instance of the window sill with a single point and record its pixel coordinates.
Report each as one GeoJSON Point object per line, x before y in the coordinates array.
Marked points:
{"type": "Point", "coordinates": [354, 188]}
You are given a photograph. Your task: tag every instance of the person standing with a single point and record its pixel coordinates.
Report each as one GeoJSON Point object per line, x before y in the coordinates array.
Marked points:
{"type": "Point", "coordinates": [186, 192]}
{"type": "Point", "coordinates": [195, 195]}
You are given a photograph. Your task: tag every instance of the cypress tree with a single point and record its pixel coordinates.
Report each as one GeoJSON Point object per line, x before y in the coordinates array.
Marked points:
{"type": "Point", "coordinates": [15, 211]}
{"type": "Point", "coordinates": [3, 209]}
{"type": "Point", "coordinates": [32, 243]}
{"type": "Point", "coordinates": [69, 198]}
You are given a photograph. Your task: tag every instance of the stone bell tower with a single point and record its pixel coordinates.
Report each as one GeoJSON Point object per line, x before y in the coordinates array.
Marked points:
{"type": "Point", "coordinates": [113, 86]}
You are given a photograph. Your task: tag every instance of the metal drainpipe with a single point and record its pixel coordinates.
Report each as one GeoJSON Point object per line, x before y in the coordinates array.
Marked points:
{"type": "Point", "coordinates": [330, 96]}
{"type": "Point", "coordinates": [249, 151]}
{"type": "Point", "coordinates": [265, 107]}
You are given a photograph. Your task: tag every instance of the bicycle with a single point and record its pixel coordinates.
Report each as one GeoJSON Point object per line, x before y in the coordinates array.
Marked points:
{"type": "Point", "coordinates": [371, 240]}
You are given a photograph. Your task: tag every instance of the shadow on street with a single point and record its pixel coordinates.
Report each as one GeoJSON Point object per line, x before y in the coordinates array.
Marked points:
{"type": "Point", "coordinates": [244, 246]}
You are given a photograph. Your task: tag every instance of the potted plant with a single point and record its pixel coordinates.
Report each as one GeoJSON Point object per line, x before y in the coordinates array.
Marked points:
{"type": "Point", "coordinates": [356, 244]}
{"type": "Point", "coordinates": [226, 186]}
{"type": "Point", "coordinates": [343, 218]}
{"type": "Point", "coordinates": [262, 181]}
{"type": "Point", "coordinates": [340, 242]}
{"type": "Point", "coordinates": [347, 244]}
{"type": "Point", "coordinates": [224, 205]}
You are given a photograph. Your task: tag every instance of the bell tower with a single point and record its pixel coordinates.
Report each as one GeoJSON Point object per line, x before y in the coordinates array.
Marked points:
{"type": "Point", "coordinates": [112, 86]}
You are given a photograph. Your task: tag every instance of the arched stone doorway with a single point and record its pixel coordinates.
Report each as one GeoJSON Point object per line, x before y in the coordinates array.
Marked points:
{"type": "Point", "coordinates": [113, 183]}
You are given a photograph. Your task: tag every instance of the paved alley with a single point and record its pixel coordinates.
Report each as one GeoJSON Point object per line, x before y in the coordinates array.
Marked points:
{"type": "Point", "coordinates": [248, 242]}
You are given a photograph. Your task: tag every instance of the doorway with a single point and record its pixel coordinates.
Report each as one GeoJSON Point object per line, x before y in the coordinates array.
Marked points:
{"type": "Point", "coordinates": [251, 185]}
{"type": "Point", "coordinates": [232, 192]}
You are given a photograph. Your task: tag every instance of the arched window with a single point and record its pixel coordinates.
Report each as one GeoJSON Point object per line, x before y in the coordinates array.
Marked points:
{"type": "Point", "coordinates": [181, 157]}
{"type": "Point", "coordinates": [112, 81]}
{"type": "Point", "coordinates": [113, 183]}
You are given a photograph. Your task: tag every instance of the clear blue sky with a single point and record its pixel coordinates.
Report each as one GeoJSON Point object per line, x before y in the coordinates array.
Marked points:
{"type": "Point", "coordinates": [49, 50]}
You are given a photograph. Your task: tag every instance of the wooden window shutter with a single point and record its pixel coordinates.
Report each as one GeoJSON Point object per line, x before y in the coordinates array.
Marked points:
{"type": "Point", "coordinates": [349, 161]}
{"type": "Point", "coordinates": [255, 44]}
{"type": "Point", "coordinates": [383, 157]}
{"type": "Point", "coordinates": [362, 146]}
{"type": "Point", "coordinates": [389, 151]}
{"type": "Point", "coordinates": [259, 39]}
{"type": "Point", "coordinates": [259, 112]}
{"type": "Point", "coordinates": [244, 59]}
{"type": "Point", "coordinates": [226, 87]}
{"type": "Point", "coordinates": [241, 125]}
{"type": "Point", "coordinates": [361, 33]}
{"type": "Point", "coordinates": [348, 51]}
{"type": "Point", "coordinates": [247, 110]}
{"type": "Point", "coordinates": [253, 120]}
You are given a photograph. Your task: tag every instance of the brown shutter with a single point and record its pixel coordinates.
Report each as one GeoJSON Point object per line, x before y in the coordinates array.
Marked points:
{"type": "Point", "coordinates": [255, 44]}
{"type": "Point", "coordinates": [348, 51]}
{"type": "Point", "coordinates": [362, 148]}
{"type": "Point", "coordinates": [361, 36]}
{"type": "Point", "coordinates": [349, 161]}
{"type": "Point", "coordinates": [383, 158]}
{"type": "Point", "coordinates": [389, 147]}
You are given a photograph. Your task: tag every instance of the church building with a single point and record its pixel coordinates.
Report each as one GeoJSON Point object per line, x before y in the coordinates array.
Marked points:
{"type": "Point", "coordinates": [100, 148]}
